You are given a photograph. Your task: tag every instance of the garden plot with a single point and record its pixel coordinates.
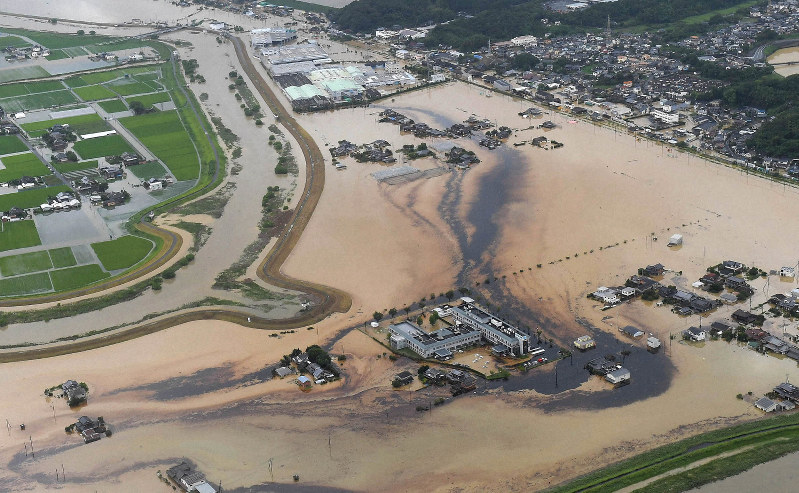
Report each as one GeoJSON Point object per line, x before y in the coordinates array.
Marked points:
{"type": "Point", "coordinates": [20, 165]}
{"type": "Point", "coordinates": [163, 133]}
{"type": "Point", "coordinates": [20, 234]}
{"type": "Point", "coordinates": [110, 145]}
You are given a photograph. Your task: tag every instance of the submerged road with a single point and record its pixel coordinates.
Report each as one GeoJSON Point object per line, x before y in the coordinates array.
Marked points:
{"type": "Point", "coordinates": [328, 300]}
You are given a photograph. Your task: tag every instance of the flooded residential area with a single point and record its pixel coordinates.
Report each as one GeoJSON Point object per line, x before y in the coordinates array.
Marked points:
{"type": "Point", "coordinates": [302, 258]}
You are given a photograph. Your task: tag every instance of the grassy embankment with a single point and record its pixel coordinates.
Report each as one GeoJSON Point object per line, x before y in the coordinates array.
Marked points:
{"type": "Point", "coordinates": [757, 442]}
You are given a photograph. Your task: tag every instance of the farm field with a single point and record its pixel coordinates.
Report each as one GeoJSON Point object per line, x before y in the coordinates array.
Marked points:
{"type": "Point", "coordinates": [57, 40]}
{"type": "Point", "coordinates": [62, 257]}
{"type": "Point", "coordinates": [122, 252]}
{"type": "Point", "coordinates": [163, 133]}
{"type": "Point", "coordinates": [148, 170]}
{"type": "Point", "coordinates": [82, 124]}
{"type": "Point", "coordinates": [110, 145]}
{"type": "Point", "coordinates": [6, 41]}
{"type": "Point", "coordinates": [38, 101]}
{"type": "Point", "coordinates": [149, 99]}
{"type": "Point", "coordinates": [122, 44]}
{"type": "Point", "coordinates": [20, 165]}
{"type": "Point", "coordinates": [10, 144]}
{"type": "Point", "coordinates": [113, 106]}
{"type": "Point", "coordinates": [93, 93]}
{"type": "Point", "coordinates": [19, 234]}
{"type": "Point", "coordinates": [79, 166]}
{"type": "Point", "coordinates": [130, 88]}
{"type": "Point", "coordinates": [26, 88]}
{"type": "Point", "coordinates": [29, 198]}
{"type": "Point", "coordinates": [25, 263]}
{"type": "Point", "coordinates": [57, 55]}
{"type": "Point", "coordinates": [77, 277]}
{"type": "Point", "coordinates": [23, 285]}
{"type": "Point", "coordinates": [20, 73]}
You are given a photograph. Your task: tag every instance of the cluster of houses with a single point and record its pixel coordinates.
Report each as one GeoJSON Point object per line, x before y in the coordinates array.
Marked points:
{"type": "Point", "coordinates": [374, 152]}
{"type": "Point", "coordinates": [460, 381]}
{"type": "Point", "coordinates": [63, 201]}
{"type": "Point", "coordinates": [189, 479]}
{"type": "Point", "coordinates": [58, 137]}
{"type": "Point", "coordinates": [14, 214]}
{"type": "Point", "coordinates": [15, 53]}
{"type": "Point", "coordinates": [461, 158]}
{"type": "Point", "coordinates": [74, 392]}
{"type": "Point", "coordinates": [784, 397]}
{"type": "Point", "coordinates": [628, 77]}
{"type": "Point", "coordinates": [91, 429]}
{"type": "Point", "coordinates": [613, 372]}
{"type": "Point", "coordinates": [302, 363]}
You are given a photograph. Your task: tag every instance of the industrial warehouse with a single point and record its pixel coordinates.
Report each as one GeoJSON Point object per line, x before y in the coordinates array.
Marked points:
{"type": "Point", "coordinates": [472, 326]}
{"type": "Point", "coordinates": [311, 81]}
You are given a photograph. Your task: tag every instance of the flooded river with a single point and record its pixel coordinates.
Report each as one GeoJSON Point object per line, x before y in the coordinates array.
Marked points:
{"type": "Point", "coordinates": [786, 55]}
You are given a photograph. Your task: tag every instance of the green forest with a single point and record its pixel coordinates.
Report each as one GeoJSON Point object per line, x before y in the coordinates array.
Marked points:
{"type": "Point", "coordinates": [500, 20]}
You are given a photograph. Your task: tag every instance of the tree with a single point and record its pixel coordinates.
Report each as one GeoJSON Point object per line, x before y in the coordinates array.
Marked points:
{"type": "Point", "coordinates": [81, 32]}
{"type": "Point", "coordinates": [377, 316]}
{"type": "Point", "coordinates": [422, 369]}
{"type": "Point", "coordinates": [450, 294]}
{"type": "Point", "coordinates": [137, 107]}
{"type": "Point", "coordinates": [392, 312]}
{"type": "Point", "coordinates": [433, 318]}
{"type": "Point", "coordinates": [72, 156]}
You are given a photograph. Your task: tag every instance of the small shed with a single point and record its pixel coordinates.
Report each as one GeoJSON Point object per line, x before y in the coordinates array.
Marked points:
{"type": "Point", "coordinates": [675, 240]}
{"type": "Point", "coordinates": [304, 382]}
{"type": "Point", "coordinates": [618, 376]}
{"type": "Point", "coordinates": [633, 332]}
{"type": "Point", "coordinates": [766, 405]}
{"type": "Point", "coordinates": [653, 344]}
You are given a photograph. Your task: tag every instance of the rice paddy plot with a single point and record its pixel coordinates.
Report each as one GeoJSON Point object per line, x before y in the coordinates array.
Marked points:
{"type": "Point", "coordinates": [27, 199]}
{"type": "Point", "coordinates": [18, 234]}
{"type": "Point", "coordinates": [11, 90]}
{"type": "Point", "coordinates": [100, 77]}
{"type": "Point", "coordinates": [20, 165]}
{"type": "Point", "coordinates": [38, 101]}
{"type": "Point", "coordinates": [148, 170]}
{"type": "Point", "coordinates": [163, 133]}
{"type": "Point", "coordinates": [15, 41]}
{"type": "Point", "coordinates": [26, 263]}
{"type": "Point", "coordinates": [113, 106]}
{"type": "Point", "coordinates": [54, 40]}
{"type": "Point", "coordinates": [44, 86]}
{"type": "Point", "coordinates": [25, 285]}
{"type": "Point", "coordinates": [62, 257]}
{"type": "Point", "coordinates": [123, 252]}
{"type": "Point", "coordinates": [93, 93]}
{"type": "Point", "coordinates": [131, 88]}
{"type": "Point", "coordinates": [10, 144]}
{"type": "Point", "coordinates": [79, 166]}
{"type": "Point", "coordinates": [75, 81]}
{"type": "Point", "coordinates": [122, 44]}
{"type": "Point", "coordinates": [75, 51]}
{"type": "Point", "coordinates": [150, 99]}
{"type": "Point", "coordinates": [82, 124]}
{"type": "Point", "coordinates": [57, 55]}
{"type": "Point", "coordinates": [77, 277]}
{"type": "Point", "coordinates": [110, 145]}
{"type": "Point", "coordinates": [20, 73]}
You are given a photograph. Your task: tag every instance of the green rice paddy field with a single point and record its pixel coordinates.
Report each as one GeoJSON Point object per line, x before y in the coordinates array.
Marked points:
{"type": "Point", "coordinates": [83, 124]}
{"type": "Point", "coordinates": [10, 144]}
{"type": "Point", "coordinates": [29, 198]}
{"type": "Point", "coordinates": [77, 277]}
{"type": "Point", "coordinates": [38, 101]}
{"type": "Point", "coordinates": [19, 234]}
{"type": "Point", "coordinates": [79, 166]}
{"type": "Point", "coordinates": [113, 106]}
{"type": "Point", "coordinates": [21, 165]}
{"type": "Point", "coordinates": [93, 93]}
{"type": "Point", "coordinates": [149, 99]}
{"type": "Point", "coordinates": [122, 252]}
{"type": "Point", "coordinates": [22, 285]}
{"type": "Point", "coordinates": [163, 133]}
{"type": "Point", "coordinates": [110, 145]}
{"type": "Point", "coordinates": [20, 73]}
